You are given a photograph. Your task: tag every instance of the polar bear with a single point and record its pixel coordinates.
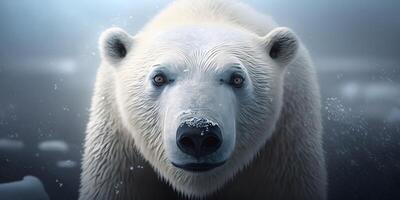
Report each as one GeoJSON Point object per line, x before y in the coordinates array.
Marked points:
{"type": "Point", "coordinates": [210, 100]}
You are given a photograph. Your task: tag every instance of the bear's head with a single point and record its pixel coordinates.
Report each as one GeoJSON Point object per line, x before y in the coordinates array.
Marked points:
{"type": "Point", "coordinates": [199, 101]}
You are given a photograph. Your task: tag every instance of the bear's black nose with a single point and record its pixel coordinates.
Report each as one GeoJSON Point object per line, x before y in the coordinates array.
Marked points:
{"type": "Point", "coordinates": [198, 137]}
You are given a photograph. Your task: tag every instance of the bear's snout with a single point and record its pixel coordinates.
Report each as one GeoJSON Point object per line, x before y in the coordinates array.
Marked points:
{"type": "Point", "coordinates": [198, 137]}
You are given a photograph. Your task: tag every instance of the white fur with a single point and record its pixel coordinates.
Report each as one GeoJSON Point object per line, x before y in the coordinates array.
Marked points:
{"type": "Point", "coordinates": [274, 150]}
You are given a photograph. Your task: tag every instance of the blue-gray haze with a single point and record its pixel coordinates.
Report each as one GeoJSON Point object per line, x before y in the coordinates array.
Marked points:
{"type": "Point", "coordinates": [49, 57]}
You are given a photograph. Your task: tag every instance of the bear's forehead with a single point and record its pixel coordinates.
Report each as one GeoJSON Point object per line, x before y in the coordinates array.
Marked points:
{"type": "Point", "coordinates": [200, 37]}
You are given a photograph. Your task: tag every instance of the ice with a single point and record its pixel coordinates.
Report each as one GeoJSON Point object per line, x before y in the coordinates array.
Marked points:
{"type": "Point", "coordinates": [200, 122]}
{"type": "Point", "coordinates": [30, 188]}
{"type": "Point", "coordinates": [373, 92]}
{"type": "Point", "coordinates": [66, 164]}
{"type": "Point", "coordinates": [53, 145]}
{"type": "Point", "coordinates": [9, 144]}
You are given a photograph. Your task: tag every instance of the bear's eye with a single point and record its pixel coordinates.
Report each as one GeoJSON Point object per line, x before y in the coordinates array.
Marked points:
{"type": "Point", "coordinates": [159, 79]}
{"type": "Point", "coordinates": [236, 80]}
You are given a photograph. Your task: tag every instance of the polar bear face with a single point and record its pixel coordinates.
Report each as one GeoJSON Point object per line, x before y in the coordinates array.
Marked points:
{"type": "Point", "coordinates": [199, 101]}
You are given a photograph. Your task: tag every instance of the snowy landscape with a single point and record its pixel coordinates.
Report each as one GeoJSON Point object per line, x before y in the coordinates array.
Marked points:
{"type": "Point", "coordinates": [49, 57]}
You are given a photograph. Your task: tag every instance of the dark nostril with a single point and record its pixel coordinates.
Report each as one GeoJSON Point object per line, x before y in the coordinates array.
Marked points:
{"type": "Point", "coordinates": [210, 142]}
{"type": "Point", "coordinates": [187, 142]}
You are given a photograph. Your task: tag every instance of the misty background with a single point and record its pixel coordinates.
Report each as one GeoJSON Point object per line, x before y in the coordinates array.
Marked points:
{"type": "Point", "coordinates": [49, 58]}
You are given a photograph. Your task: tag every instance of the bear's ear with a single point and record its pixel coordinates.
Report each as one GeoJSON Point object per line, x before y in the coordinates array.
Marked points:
{"type": "Point", "coordinates": [281, 45]}
{"type": "Point", "coordinates": [115, 44]}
